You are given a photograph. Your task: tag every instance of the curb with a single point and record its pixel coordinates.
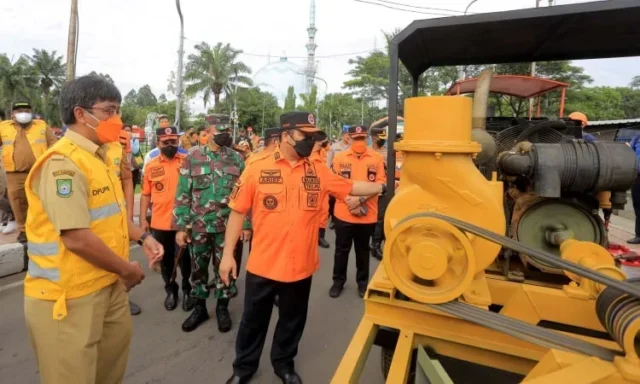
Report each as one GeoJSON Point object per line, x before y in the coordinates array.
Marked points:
{"type": "Point", "coordinates": [13, 259]}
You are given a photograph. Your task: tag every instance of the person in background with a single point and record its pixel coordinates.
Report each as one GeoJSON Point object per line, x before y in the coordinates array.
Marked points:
{"type": "Point", "coordinates": [134, 144]}
{"type": "Point", "coordinates": [6, 214]}
{"type": "Point", "coordinates": [78, 227]}
{"type": "Point", "coordinates": [635, 192]}
{"type": "Point", "coordinates": [189, 138]}
{"type": "Point", "coordinates": [582, 118]}
{"type": "Point", "coordinates": [378, 141]}
{"type": "Point", "coordinates": [317, 157]}
{"type": "Point", "coordinates": [203, 136]}
{"type": "Point", "coordinates": [242, 136]}
{"type": "Point", "coordinates": [355, 217]}
{"type": "Point", "coordinates": [23, 141]}
{"type": "Point", "coordinates": [339, 146]}
{"type": "Point", "coordinates": [285, 254]}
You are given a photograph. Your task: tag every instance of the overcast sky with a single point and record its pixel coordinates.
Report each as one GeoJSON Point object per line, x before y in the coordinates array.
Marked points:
{"type": "Point", "coordinates": [136, 41]}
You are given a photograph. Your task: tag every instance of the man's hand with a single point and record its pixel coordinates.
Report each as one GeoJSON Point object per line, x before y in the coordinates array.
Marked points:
{"type": "Point", "coordinates": [144, 224]}
{"type": "Point", "coordinates": [228, 269]}
{"type": "Point", "coordinates": [153, 250]}
{"type": "Point", "coordinates": [245, 235]}
{"type": "Point", "coordinates": [133, 275]}
{"type": "Point", "coordinates": [182, 239]}
{"type": "Point", "coordinates": [356, 212]}
{"type": "Point", "coordinates": [352, 202]}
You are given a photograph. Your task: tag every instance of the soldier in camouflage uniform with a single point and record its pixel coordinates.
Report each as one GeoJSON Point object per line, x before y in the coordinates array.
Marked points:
{"type": "Point", "coordinates": [207, 175]}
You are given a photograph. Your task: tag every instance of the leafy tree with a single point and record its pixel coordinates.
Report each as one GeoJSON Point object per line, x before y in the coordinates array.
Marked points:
{"type": "Point", "coordinates": [162, 98]}
{"type": "Point", "coordinates": [13, 79]}
{"type": "Point", "coordinates": [213, 70]}
{"type": "Point", "coordinates": [598, 103]}
{"type": "Point", "coordinates": [105, 75]}
{"type": "Point", "coordinates": [635, 82]}
{"type": "Point", "coordinates": [310, 101]}
{"type": "Point", "coordinates": [290, 100]}
{"type": "Point", "coordinates": [130, 98]}
{"type": "Point", "coordinates": [145, 97]}
{"type": "Point", "coordinates": [255, 108]}
{"type": "Point", "coordinates": [49, 71]}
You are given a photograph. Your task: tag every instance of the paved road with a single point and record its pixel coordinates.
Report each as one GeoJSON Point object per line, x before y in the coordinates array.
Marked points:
{"type": "Point", "coordinates": [162, 353]}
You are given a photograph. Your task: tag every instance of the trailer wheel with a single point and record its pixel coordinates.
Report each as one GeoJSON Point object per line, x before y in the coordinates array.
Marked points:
{"type": "Point", "coordinates": [386, 356]}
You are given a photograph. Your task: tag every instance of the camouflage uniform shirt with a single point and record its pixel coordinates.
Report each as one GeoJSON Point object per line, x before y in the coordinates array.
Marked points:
{"type": "Point", "coordinates": [205, 182]}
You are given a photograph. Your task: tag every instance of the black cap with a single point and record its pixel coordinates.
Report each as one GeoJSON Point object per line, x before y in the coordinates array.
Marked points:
{"type": "Point", "coordinates": [303, 121]}
{"type": "Point", "coordinates": [221, 122]}
{"type": "Point", "coordinates": [271, 133]}
{"type": "Point", "coordinates": [320, 136]}
{"type": "Point", "coordinates": [377, 131]}
{"type": "Point", "coordinates": [169, 131]}
{"type": "Point", "coordinates": [20, 104]}
{"type": "Point", "coordinates": [358, 130]}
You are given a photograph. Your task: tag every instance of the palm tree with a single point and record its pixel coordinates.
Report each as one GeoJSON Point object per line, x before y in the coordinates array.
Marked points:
{"type": "Point", "coordinates": [49, 71]}
{"type": "Point", "coordinates": [213, 70]}
{"type": "Point", "coordinates": [13, 79]}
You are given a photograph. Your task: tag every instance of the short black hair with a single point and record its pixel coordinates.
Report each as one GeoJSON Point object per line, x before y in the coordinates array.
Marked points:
{"type": "Point", "coordinates": [163, 117]}
{"type": "Point", "coordinates": [270, 140]}
{"type": "Point", "coordinates": [2, 115]}
{"type": "Point", "coordinates": [84, 92]}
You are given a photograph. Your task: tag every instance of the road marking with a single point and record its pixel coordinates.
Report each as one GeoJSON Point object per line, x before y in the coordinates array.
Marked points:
{"type": "Point", "coordinates": [21, 281]}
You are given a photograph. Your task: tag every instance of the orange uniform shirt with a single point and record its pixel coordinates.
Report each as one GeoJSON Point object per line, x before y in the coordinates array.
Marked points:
{"type": "Point", "coordinates": [285, 204]}
{"type": "Point", "coordinates": [318, 159]}
{"type": "Point", "coordinates": [367, 167]}
{"type": "Point", "coordinates": [160, 182]}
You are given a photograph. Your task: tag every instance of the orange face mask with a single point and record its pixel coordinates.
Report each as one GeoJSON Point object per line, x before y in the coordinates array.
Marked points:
{"type": "Point", "coordinates": [108, 130]}
{"type": "Point", "coordinates": [358, 146]}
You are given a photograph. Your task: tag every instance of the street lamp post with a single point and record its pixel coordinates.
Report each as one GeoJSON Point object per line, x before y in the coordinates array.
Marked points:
{"type": "Point", "coordinates": [235, 106]}
{"type": "Point", "coordinates": [462, 69]}
{"type": "Point", "coordinates": [179, 77]}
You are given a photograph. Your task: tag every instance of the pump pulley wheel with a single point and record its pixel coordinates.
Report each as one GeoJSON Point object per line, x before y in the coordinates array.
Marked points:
{"type": "Point", "coordinates": [429, 260]}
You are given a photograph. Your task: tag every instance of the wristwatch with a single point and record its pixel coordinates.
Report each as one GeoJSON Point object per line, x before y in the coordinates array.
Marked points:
{"type": "Point", "coordinates": [143, 238]}
{"type": "Point", "coordinates": [384, 189]}
{"type": "Point", "coordinates": [362, 200]}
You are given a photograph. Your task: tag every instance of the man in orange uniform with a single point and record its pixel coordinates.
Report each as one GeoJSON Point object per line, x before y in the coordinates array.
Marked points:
{"type": "Point", "coordinates": [159, 186]}
{"type": "Point", "coordinates": [319, 157]}
{"type": "Point", "coordinates": [23, 141]}
{"type": "Point", "coordinates": [284, 192]}
{"type": "Point", "coordinates": [355, 217]}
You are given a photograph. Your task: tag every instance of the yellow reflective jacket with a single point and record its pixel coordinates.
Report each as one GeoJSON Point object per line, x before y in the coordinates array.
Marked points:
{"type": "Point", "coordinates": [36, 135]}
{"type": "Point", "coordinates": [54, 272]}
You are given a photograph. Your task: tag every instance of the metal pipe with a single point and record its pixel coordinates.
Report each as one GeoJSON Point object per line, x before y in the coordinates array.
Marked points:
{"type": "Point", "coordinates": [393, 119]}
{"type": "Point", "coordinates": [480, 100]}
{"type": "Point", "coordinates": [72, 41]}
{"type": "Point", "coordinates": [414, 88]}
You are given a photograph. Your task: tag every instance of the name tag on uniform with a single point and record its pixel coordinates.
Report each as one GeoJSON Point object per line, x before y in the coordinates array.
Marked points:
{"type": "Point", "coordinates": [156, 172]}
{"type": "Point", "coordinates": [270, 176]}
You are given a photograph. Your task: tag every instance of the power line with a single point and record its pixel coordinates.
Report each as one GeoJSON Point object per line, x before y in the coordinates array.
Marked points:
{"type": "Point", "coordinates": [297, 57]}
{"type": "Point", "coordinates": [420, 6]}
{"type": "Point", "coordinates": [402, 9]}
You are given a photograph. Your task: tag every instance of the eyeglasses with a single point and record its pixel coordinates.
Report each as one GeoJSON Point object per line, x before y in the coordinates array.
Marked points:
{"type": "Point", "coordinates": [109, 111]}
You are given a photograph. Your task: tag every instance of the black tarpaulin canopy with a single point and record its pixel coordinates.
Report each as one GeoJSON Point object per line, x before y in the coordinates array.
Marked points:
{"type": "Point", "coordinates": [593, 30]}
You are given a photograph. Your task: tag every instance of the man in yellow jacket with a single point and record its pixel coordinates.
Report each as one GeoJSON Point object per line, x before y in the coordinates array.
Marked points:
{"type": "Point", "coordinates": [23, 140]}
{"type": "Point", "coordinates": [79, 271]}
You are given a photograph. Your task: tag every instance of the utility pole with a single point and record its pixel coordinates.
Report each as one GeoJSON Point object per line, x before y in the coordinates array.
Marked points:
{"type": "Point", "coordinates": [179, 77]}
{"type": "Point", "coordinates": [235, 107]}
{"type": "Point", "coordinates": [72, 41]}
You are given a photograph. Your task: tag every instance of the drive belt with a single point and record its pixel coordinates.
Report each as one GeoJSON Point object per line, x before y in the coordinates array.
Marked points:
{"type": "Point", "coordinates": [533, 253]}
{"type": "Point", "coordinates": [519, 329]}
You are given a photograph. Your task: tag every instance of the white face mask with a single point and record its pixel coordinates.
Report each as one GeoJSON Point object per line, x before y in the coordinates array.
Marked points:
{"type": "Point", "coordinates": [24, 117]}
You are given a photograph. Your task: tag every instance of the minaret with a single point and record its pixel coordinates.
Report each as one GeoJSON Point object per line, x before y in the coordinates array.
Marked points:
{"type": "Point", "coordinates": [311, 48]}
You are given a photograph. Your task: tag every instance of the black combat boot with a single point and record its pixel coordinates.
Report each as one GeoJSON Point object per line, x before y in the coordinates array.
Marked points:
{"type": "Point", "coordinates": [376, 251]}
{"type": "Point", "coordinates": [321, 241]}
{"type": "Point", "coordinates": [222, 314]}
{"type": "Point", "coordinates": [188, 301]}
{"type": "Point", "coordinates": [171, 301]}
{"type": "Point", "coordinates": [198, 316]}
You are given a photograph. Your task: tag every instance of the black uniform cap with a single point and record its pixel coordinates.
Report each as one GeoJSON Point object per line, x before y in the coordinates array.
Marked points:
{"type": "Point", "coordinates": [303, 121]}
{"type": "Point", "coordinates": [20, 104]}
{"type": "Point", "coordinates": [358, 130]}
{"type": "Point", "coordinates": [271, 133]}
{"type": "Point", "coordinates": [168, 131]}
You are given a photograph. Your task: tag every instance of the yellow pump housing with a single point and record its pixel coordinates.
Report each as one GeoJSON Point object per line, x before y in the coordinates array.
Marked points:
{"type": "Point", "coordinates": [439, 176]}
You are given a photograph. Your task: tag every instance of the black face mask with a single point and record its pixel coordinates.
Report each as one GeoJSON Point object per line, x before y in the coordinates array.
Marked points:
{"type": "Point", "coordinates": [304, 147]}
{"type": "Point", "coordinates": [381, 142]}
{"type": "Point", "coordinates": [223, 139]}
{"type": "Point", "coordinates": [169, 151]}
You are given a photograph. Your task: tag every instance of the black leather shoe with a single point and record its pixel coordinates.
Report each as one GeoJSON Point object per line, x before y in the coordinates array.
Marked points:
{"type": "Point", "coordinates": [198, 316]}
{"type": "Point", "coordinates": [323, 243]}
{"type": "Point", "coordinates": [290, 378]}
{"type": "Point", "coordinates": [362, 289]}
{"type": "Point", "coordinates": [375, 251]}
{"type": "Point", "coordinates": [134, 309]}
{"type": "Point", "coordinates": [635, 240]}
{"type": "Point", "coordinates": [238, 380]}
{"type": "Point", "coordinates": [335, 290]}
{"type": "Point", "coordinates": [171, 301]}
{"type": "Point", "coordinates": [224, 320]}
{"type": "Point", "coordinates": [188, 302]}
{"type": "Point", "coordinates": [22, 238]}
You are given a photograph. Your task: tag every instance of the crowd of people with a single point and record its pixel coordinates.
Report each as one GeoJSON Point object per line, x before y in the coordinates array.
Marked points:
{"type": "Point", "coordinates": [204, 196]}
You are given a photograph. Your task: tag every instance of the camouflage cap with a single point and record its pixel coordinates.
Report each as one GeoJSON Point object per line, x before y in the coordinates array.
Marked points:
{"type": "Point", "coordinates": [303, 121]}
{"type": "Point", "coordinates": [220, 122]}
